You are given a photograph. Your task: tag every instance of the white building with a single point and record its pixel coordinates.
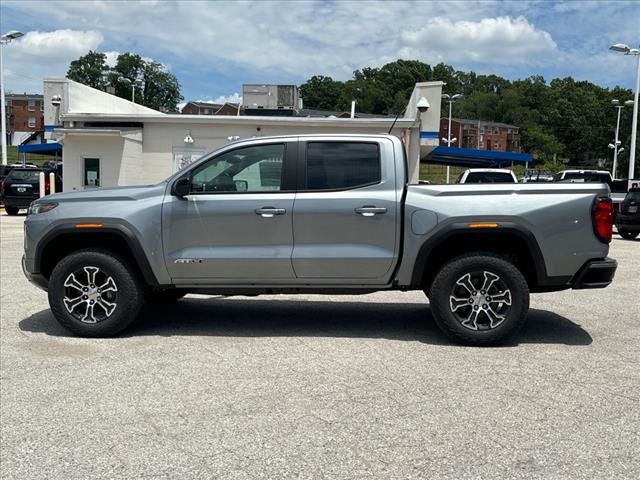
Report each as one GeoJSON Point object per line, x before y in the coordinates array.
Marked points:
{"type": "Point", "coordinates": [110, 141]}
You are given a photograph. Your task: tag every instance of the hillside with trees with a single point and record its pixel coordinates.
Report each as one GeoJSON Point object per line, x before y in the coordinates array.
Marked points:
{"type": "Point", "coordinates": [563, 119]}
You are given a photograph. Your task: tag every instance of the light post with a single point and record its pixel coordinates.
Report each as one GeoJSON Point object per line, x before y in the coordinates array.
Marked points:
{"type": "Point", "coordinates": [4, 40]}
{"type": "Point", "coordinates": [615, 146]}
{"type": "Point", "coordinates": [133, 83]}
{"type": "Point", "coordinates": [622, 48]}
{"type": "Point", "coordinates": [451, 99]}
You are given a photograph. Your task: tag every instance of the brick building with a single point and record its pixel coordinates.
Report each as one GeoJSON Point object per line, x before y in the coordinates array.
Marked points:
{"type": "Point", "coordinates": [481, 135]}
{"type": "Point", "coordinates": [205, 108]}
{"type": "Point", "coordinates": [25, 118]}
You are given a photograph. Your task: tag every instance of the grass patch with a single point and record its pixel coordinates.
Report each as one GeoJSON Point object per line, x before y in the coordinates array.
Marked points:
{"type": "Point", "coordinates": [13, 156]}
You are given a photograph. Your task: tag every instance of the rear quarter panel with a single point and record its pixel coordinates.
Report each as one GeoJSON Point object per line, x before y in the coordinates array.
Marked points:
{"type": "Point", "coordinates": [557, 215]}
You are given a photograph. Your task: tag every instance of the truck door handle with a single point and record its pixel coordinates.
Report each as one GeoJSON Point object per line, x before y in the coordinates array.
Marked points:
{"type": "Point", "coordinates": [370, 210]}
{"type": "Point", "coordinates": [269, 212]}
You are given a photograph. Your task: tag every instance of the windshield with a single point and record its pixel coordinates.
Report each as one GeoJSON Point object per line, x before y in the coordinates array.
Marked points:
{"type": "Point", "coordinates": [489, 177]}
{"type": "Point", "coordinates": [31, 176]}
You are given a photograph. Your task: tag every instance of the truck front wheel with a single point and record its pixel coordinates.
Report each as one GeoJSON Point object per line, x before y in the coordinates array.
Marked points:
{"type": "Point", "coordinates": [94, 293]}
{"type": "Point", "coordinates": [479, 299]}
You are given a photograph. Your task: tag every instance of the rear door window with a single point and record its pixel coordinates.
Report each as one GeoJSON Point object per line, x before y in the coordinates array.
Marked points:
{"type": "Point", "coordinates": [342, 165]}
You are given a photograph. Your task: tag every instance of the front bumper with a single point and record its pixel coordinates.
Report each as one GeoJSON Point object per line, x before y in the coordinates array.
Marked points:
{"type": "Point", "coordinates": [595, 274]}
{"type": "Point", "coordinates": [36, 278]}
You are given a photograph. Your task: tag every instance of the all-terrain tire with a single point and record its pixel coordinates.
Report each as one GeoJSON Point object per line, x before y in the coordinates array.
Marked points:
{"type": "Point", "coordinates": [472, 315]}
{"type": "Point", "coordinates": [115, 293]}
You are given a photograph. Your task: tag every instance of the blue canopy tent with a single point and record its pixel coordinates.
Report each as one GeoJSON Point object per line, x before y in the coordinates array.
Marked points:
{"type": "Point", "coordinates": [470, 157]}
{"type": "Point", "coordinates": [41, 148]}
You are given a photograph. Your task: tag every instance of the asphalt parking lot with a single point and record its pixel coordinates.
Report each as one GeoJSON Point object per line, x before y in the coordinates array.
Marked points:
{"type": "Point", "coordinates": [320, 387]}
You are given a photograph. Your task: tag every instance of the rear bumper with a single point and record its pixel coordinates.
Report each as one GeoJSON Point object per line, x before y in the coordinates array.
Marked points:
{"type": "Point", "coordinates": [595, 274]}
{"type": "Point", "coordinates": [628, 222]}
{"type": "Point", "coordinates": [36, 278]}
{"type": "Point", "coordinates": [20, 202]}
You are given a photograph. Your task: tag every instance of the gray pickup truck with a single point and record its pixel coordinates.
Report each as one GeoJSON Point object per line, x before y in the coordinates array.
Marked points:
{"type": "Point", "coordinates": [317, 214]}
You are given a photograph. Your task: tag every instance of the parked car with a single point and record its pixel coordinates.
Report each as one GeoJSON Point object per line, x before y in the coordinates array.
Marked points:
{"type": "Point", "coordinates": [619, 189]}
{"type": "Point", "coordinates": [487, 175]}
{"type": "Point", "coordinates": [22, 186]}
{"type": "Point", "coordinates": [584, 176]}
{"type": "Point", "coordinates": [317, 214]}
{"type": "Point", "coordinates": [628, 218]}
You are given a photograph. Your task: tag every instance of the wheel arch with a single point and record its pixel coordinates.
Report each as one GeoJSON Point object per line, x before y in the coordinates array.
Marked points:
{"type": "Point", "coordinates": [64, 240]}
{"type": "Point", "coordinates": [510, 241]}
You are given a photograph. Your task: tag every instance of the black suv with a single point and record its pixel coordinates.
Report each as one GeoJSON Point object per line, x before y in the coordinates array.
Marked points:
{"type": "Point", "coordinates": [628, 218]}
{"type": "Point", "coordinates": [22, 186]}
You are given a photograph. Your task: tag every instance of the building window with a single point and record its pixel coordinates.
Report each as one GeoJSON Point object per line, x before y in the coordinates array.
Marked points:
{"type": "Point", "coordinates": [91, 177]}
{"type": "Point", "coordinates": [32, 105]}
{"type": "Point", "coordinates": [42, 106]}
{"type": "Point", "coordinates": [207, 111]}
{"type": "Point", "coordinates": [509, 131]}
{"type": "Point", "coordinates": [32, 122]}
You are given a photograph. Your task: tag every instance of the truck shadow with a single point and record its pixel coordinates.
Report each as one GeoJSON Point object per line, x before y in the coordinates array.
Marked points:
{"type": "Point", "coordinates": [238, 317]}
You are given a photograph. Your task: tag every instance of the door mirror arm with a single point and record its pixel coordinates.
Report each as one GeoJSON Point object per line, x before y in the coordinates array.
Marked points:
{"type": "Point", "coordinates": [181, 187]}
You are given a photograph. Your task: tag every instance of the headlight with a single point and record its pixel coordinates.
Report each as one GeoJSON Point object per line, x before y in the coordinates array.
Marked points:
{"type": "Point", "coordinates": [37, 207]}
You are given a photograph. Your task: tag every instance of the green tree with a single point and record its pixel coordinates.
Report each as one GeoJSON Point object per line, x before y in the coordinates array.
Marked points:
{"type": "Point", "coordinates": [90, 69]}
{"type": "Point", "coordinates": [155, 87]}
{"type": "Point", "coordinates": [321, 92]}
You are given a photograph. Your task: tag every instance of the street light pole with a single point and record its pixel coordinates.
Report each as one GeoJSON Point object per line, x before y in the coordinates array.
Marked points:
{"type": "Point", "coordinates": [4, 40]}
{"type": "Point", "coordinates": [615, 103]}
{"type": "Point", "coordinates": [634, 121]}
{"type": "Point", "coordinates": [451, 99]}
{"type": "Point", "coordinates": [616, 143]}
{"type": "Point", "coordinates": [622, 48]}
{"type": "Point", "coordinates": [3, 113]}
{"type": "Point", "coordinates": [128, 81]}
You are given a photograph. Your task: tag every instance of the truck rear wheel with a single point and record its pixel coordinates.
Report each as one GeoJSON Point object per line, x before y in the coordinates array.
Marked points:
{"type": "Point", "coordinates": [11, 210]}
{"type": "Point", "coordinates": [479, 299]}
{"type": "Point", "coordinates": [94, 293]}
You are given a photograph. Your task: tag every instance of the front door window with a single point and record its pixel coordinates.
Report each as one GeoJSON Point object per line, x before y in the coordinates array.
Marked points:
{"type": "Point", "coordinates": [252, 170]}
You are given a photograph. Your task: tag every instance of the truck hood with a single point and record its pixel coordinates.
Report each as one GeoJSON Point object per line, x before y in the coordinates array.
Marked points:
{"type": "Point", "coordinates": [103, 194]}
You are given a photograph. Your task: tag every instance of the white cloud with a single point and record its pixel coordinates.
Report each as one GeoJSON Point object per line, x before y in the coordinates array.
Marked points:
{"type": "Point", "coordinates": [289, 41]}
{"type": "Point", "coordinates": [233, 98]}
{"type": "Point", "coordinates": [112, 58]}
{"type": "Point", "coordinates": [41, 54]}
{"type": "Point", "coordinates": [58, 44]}
{"type": "Point", "coordinates": [495, 40]}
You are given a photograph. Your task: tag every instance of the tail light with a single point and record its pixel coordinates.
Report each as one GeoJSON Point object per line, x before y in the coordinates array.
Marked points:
{"type": "Point", "coordinates": [603, 217]}
{"type": "Point", "coordinates": [1, 186]}
{"type": "Point", "coordinates": [46, 187]}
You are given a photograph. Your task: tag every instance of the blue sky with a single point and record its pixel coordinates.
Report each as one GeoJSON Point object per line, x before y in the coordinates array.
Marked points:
{"type": "Point", "coordinates": [214, 47]}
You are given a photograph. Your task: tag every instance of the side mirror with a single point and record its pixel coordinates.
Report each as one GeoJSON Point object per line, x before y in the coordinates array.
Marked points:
{"type": "Point", "coordinates": [241, 185]}
{"type": "Point", "coordinates": [181, 187]}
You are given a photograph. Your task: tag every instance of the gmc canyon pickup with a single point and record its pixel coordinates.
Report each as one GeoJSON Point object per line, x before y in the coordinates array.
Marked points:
{"type": "Point", "coordinates": [317, 214]}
